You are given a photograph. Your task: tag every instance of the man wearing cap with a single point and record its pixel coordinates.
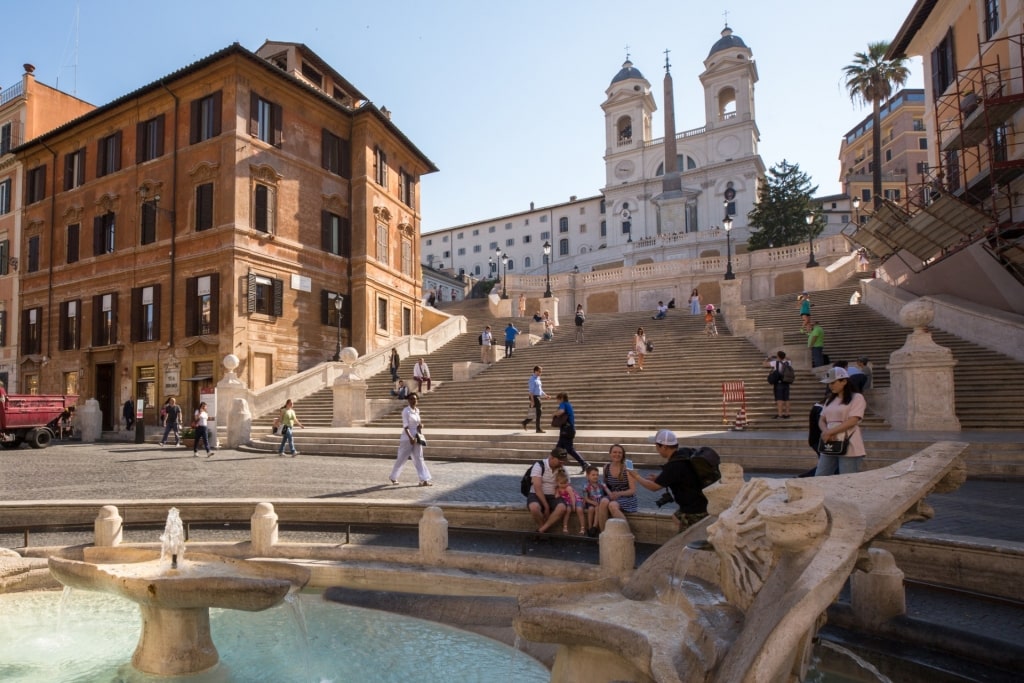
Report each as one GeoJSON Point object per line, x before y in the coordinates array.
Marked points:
{"type": "Point", "coordinates": [678, 476]}
{"type": "Point", "coordinates": [546, 508]}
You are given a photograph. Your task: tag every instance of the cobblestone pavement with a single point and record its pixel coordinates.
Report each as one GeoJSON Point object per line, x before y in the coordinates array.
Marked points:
{"type": "Point", "coordinates": [109, 471]}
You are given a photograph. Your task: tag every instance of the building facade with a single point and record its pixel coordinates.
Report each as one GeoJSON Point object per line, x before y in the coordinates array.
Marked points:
{"type": "Point", "coordinates": [218, 210]}
{"type": "Point", "coordinates": [27, 109]}
{"type": "Point", "coordinates": [672, 191]}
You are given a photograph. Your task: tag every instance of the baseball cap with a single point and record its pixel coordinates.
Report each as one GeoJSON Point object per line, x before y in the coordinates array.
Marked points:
{"type": "Point", "coordinates": [665, 438]}
{"type": "Point", "coordinates": [833, 374]}
{"type": "Point", "coordinates": [560, 453]}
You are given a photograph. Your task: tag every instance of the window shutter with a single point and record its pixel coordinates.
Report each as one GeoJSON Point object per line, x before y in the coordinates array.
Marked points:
{"type": "Point", "coordinates": [204, 206]}
{"type": "Point", "coordinates": [117, 152]}
{"type": "Point", "coordinates": [278, 297]}
{"type": "Point", "coordinates": [113, 316]}
{"type": "Point", "coordinates": [136, 315]}
{"type": "Point", "coordinates": [140, 144]}
{"type": "Point", "coordinates": [69, 171]}
{"type": "Point", "coordinates": [24, 332]}
{"type": "Point", "coordinates": [345, 246]}
{"type": "Point", "coordinates": [5, 257]}
{"type": "Point", "coordinates": [97, 236]}
{"type": "Point", "coordinates": [325, 149]}
{"type": "Point", "coordinates": [326, 304]}
{"type": "Point", "coordinates": [73, 250]}
{"type": "Point", "coordinates": [260, 221]}
{"type": "Point", "coordinates": [251, 303]}
{"type": "Point", "coordinates": [278, 116]}
{"type": "Point", "coordinates": [191, 306]}
{"type": "Point", "coordinates": [97, 319]}
{"type": "Point", "coordinates": [254, 109]}
{"type": "Point", "coordinates": [156, 312]}
{"type": "Point", "coordinates": [194, 119]}
{"type": "Point", "coordinates": [160, 135]}
{"type": "Point", "coordinates": [100, 158]}
{"type": "Point", "coordinates": [215, 303]}
{"type": "Point", "coordinates": [325, 231]}
{"type": "Point", "coordinates": [217, 98]}
{"type": "Point", "coordinates": [62, 326]}
{"type": "Point", "coordinates": [78, 323]}
{"type": "Point", "coordinates": [343, 155]}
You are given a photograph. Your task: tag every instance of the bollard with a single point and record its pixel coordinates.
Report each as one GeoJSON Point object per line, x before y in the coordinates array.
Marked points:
{"type": "Point", "coordinates": [433, 534]}
{"type": "Point", "coordinates": [877, 595]}
{"type": "Point", "coordinates": [108, 528]}
{"type": "Point", "coordinates": [617, 549]}
{"type": "Point", "coordinates": [264, 529]}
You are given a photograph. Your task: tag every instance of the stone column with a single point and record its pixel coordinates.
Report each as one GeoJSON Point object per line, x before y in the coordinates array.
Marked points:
{"type": "Point", "coordinates": [433, 535]}
{"type": "Point", "coordinates": [922, 388]}
{"type": "Point", "coordinates": [618, 550]}
{"type": "Point", "coordinates": [733, 309]}
{"type": "Point", "coordinates": [349, 393]}
{"type": "Point", "coordinates": [90, 420]}
{"type": "Point", "coordinates": [877, 594]}
{"type": "Point", "coordinates": [108, 528]}
{"type": "Point", "coordinates": [263, 532]}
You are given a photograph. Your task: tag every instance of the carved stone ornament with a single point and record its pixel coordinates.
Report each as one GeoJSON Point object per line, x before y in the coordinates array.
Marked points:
{"type": "Point", "coordinates": [73, 214]}
{"type": "Point", "coordinates": [204, 171]}
{"type": "Point", "coordinates": [108, 203]}
{"type": "Point", "coordinates": [265, 174]}
{"type": "Point", "coordinates": [382, 214]}
{"type": "Point", "coordinates": [406, 229]}
{"type": "Point", "coordinates": [333, 203]}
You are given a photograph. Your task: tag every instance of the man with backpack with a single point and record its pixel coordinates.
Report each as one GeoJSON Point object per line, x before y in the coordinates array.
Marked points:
{"type": "Point", "coordinates": [544, 506]}
{"type": "Point", "coordinates": [685, 474]}
{"type": "Point", "coordinates": [780, 376]}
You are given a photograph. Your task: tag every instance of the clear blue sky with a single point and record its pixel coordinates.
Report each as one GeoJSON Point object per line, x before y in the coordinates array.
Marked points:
{"type": "Point", "coordinates": [504, 97]}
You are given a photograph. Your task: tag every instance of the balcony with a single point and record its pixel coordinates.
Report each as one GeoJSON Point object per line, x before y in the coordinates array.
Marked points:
{"type": "Point", "coordinates": [8, 94]}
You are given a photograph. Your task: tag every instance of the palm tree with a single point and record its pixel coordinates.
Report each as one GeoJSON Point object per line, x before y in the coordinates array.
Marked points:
{"type": "Point", "coordinates": [871, 79]}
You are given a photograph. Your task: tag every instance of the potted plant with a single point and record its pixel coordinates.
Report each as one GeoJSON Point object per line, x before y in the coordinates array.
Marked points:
{"type": "Point", "coordinates": [188, 437]}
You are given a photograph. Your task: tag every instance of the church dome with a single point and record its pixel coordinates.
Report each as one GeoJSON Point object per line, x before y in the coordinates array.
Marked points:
{"type": "Point", "coordinates": [728, 41]}
{"type": "Point", "coordinates": [627, 72]}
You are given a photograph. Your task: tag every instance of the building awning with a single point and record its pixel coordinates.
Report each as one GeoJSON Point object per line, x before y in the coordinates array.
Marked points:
{"type": "Point", "coordinates": [198, 378]}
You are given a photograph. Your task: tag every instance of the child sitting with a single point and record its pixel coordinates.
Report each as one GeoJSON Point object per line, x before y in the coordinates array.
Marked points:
{"type": "Point", "coordinates": [630, 362]}
{"type": "Point", "coordinates": [572, 500]}
{"type": "Point", "coordinates": [593, 492]}
{"type": "Point", "coordinates": [709, 321]}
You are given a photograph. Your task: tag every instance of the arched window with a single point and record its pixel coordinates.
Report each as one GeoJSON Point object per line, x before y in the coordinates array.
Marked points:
{"type": "Point", "coordinates": [527, 262]}
{"type": "Point", "coordinates": [624, 128]}
{"type": "Point", "coordinates": [510, 265]}
{"type": "Point", "coordinates": [726, 103]}
{"type": "Point", "coordinates": [563, 224]}
{"type": "Point", "coordinates": [563, 246]}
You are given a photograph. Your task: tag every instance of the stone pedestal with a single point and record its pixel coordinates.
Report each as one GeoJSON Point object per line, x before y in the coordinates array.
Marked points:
{"type": "Point", "coordinates": [108, 528]}
{"type": "Point", "coordinates": [263, 524]}
{"type": "Point", "coordinates": [466, 370]}
{"type": "Point", "coordinates": [550, 305]}
{"type": "Point", "coordinates": [489, 354]}
{"type": "Point", "coordinates": [733, 309]}
{"type": "Point", "coordinates": [230, 389]}
{"type": "Point", "coordinates": [922, 389]}
{"type": "Point", "coordinates": [618, 549]}
{"type": "Point", "coordinates": [349, 393]}
{"type": "Point", "coordinates": [877, 594]}
{"type": "Point", "coordinates": [239, 428]}
{"type": "Point", "coordinates": [433, 535]}
{"type": "Point", "coordinates": [90, 420]}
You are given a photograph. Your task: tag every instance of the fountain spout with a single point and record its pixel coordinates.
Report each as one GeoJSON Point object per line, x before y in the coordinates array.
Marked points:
{"type": "Point", "coordinates": [172, 541]}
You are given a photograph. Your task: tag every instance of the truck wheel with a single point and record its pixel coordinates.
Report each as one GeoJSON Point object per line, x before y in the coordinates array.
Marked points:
{"type": "Point", "coordinates": [39, 438]}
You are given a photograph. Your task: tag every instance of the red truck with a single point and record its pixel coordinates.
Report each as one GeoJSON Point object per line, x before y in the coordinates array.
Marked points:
{"type": "Point", "coordinates": [32, 419]}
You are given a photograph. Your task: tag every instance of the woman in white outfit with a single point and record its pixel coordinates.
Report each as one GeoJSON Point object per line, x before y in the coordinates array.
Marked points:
{"type": "Point", "coordinates": [411, 444]}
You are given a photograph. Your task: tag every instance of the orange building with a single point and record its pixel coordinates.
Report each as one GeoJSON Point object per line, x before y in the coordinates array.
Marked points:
{"type": "Point", "coordinates": [27, 109]}
{"type": "Point", "coordinates": [217, 210]}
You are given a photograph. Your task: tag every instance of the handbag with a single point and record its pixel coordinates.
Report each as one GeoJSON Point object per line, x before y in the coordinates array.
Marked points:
{"type": "Point", "coordinates": [559, 419]}
{"type": "Point", "coordinates": [650, 347]}
{"type": "Point", "coordinates": [834, 447]}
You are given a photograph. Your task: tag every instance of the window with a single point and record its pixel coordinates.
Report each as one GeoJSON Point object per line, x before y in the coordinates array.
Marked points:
{"type": "Point", "coordinates": [149, 139]}
{"type": "Point", "coordinates": [510, 242]}
{"type": "Point", "coordinates": [265, 120]}
{"type": "Point", "coordinates": [5, 257]}
{"type": "Point", "coordinates": [204, 206]}
{"type": "Point", "coordinates": [145, 385]}
{"type": "Point", "coordinates": [33, 254]}
{"type": "Point", "coordinates": [943, 65]}
{"type": "Point", "coordinates": [329, 314]}
{"type": "Point", "coordinates": [492, 246]}
{"type": "Point", "coordinates": [583, 228]}
{"type": "Point", "coordinates": [74, 230]}
{"type": "Point", "coordinates": [563, 225]}
{"type": "Point", "coordinates": [527, 239]}
{"type": "Point", "coordinates": [382, 244]}
{"type": "Point", "coordinates": [204, 118]}
{"type": "Point", "coordinates": [148, 227]}
{"type": "Point", "coordinates": [6, 138]}
{"type": "Point", "coordinates": [563, 247]}
{"type": "Point", "coordinates": [5, 196]}
{"type": "Point", "coordinates": [334, 154]}
{"type": "Point", "coordinates": [335, 234]}
{"type": "Point", "coordinates": [264, 208]}
{"type": "Point", "coordinates": [104, 319]}
{"type": "Point", "coordinates": [70, 325]}
{"type": "Point", "coordinates": [406, 320]}
{"type": "Point", "coordinates": [108, 155]}
{"type": "Point", "coordinates": [922, 143]}
{"type": "Point", "coordinates": [545, 235]}
{"type": "Point", "coordinates": [3, 328]}
{"type": "Point", "coordinates": [477, 249]}
{"type": "Point", "coordinates": [845, 218]}
{"type": "Point", "coordinates": [312, 75]}
{"type": "Point", "coordinates": [103, 234]}
{"type": "Point", "coordinates": [32, 330]}
{"type": "Point", "coordinates": [382, 314]}
{"type": "Point", "coordinates": [461, 251]}
{"type": "Point", "coordinates": [407, 256]}
{"type": "Point", "coordinates": [146, 313]}
{"type": "Point", "coordinates": [865, 195]}
{"type": "Point", "coordinates": [604, 228]}
{"type": "Point", "coordinates": [918, 125]}
{"type": "Point", "coordinates": [544, 219]}
{"type": "Point", "coordinates": [888, 155]}
{"type": "Point", "coordinates": [35, 184]}
{"type": "Point", "coordinates": [491, 229]}
{"type": "Point", "coordinates": [74, 169]}
{"type": "Point", "coordinates": [476, 232]}
{"type": "Point", "coordinates": [266, 295]}
{"type": "Point", "coordinates": [922, 167]}
{"type": "Point", "coordinates": [447, 254]}
{"type": "Point", "coordinates": [999, 150]}
{"type": "Point", "coordinates": [527, 262]}
{"type": "Point", "coordinates": [991, 18]}
{"type": "Point", "coordinates": [380, 167]}
{"type": "Point", "coordinates": [405, 184]}
{"type": "Point", "coordinates": [202, 305]}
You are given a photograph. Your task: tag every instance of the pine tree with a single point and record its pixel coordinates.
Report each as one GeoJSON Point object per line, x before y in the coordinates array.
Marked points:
{"type": "Point", "coordinates": [779, 217]}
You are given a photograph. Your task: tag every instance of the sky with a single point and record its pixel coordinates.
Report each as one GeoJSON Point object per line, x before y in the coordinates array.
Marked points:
{"type": "Point", "coordinates": [503, 96]}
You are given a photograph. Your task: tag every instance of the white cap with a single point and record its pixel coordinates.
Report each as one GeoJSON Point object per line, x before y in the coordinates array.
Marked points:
{"type": "Point", "coordinates": [666, 438]}
{"type": "Point", "coordinates": [833, 374]}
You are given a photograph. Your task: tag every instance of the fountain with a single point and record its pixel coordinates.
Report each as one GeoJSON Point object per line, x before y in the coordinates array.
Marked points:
{"type": "Point", "coordinates": [175, 596]}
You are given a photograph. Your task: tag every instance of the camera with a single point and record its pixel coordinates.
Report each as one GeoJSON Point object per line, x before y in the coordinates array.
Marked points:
{"type": "Point", "coordinates": [665, 499]}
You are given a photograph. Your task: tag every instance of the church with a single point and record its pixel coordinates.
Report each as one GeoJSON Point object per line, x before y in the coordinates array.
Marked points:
{"type": "Point", "coordinates": [664, 198]}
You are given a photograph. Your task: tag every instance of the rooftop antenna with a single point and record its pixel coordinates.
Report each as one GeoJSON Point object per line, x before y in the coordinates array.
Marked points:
{"type": "Point", "coordinates": [74, 57]}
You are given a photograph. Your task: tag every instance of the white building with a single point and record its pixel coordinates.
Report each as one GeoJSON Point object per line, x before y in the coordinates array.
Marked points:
{"type": "Point", "coordinates": [643, 214]}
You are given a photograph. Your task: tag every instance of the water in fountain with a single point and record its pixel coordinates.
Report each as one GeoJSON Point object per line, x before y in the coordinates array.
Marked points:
{"type": "Point", "coordinates": [172, 540]}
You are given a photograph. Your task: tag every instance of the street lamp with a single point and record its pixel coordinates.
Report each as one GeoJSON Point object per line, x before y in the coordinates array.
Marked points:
{"type": "Point", "coordinates": [856, 211]}
{"type": "Point", "coordinates": [727, 224]}
{"type": "Point", "coordinates": [811, 263]}
{"type": "Point", "coordinates": [504, 265]}
{"type": "Point", "coordinates": [490, 263]}
{"type": "Point", "coordinates": [338, 301]}
{"type": "Point", "coordinates": [497, 268]}
{"type": "Point", "coordinates": [547, 268]}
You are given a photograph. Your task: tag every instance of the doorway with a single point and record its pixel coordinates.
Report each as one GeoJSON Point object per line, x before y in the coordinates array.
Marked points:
{"type": "Point", "coordinates": [105, 376]}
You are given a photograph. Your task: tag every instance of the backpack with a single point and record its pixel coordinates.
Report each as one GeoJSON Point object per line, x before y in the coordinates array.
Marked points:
{"type": "Point", "coordinates": [526, 485]}
{"type": "Point", "coordinates": [774, 377]}
{"type": "Point", "coordinates": [480, 339]}
{"type": "Point", "coordinates": [580, 318]}
{"type": "Point", "coordinates": [705, 462]}
{"type": "Point", "coordinates": [788, 373]}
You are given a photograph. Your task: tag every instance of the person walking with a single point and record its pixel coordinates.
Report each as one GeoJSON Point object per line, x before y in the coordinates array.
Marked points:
{"type": "Point", "coordinates": [640, 347]}
{"type": "Point", "coordinates": [288, 421]}
{"type": "Point", "coordinates": [202, 429]}
{"type": "Point", "coordinates": [780, 388]}
{"type": "Point", "coordinates": [522, 305]}
{"type": "Point", "coordinates": [805, 311]}
{"type": "Point", "coordinates": [411, 443]}
{"type": "Point", "coordinates": [393, 364]}
{"type": "Point", "coordinates": [567, 429]}
{"type": "Point", "coordinates": [579, 320]}
{"type": "Point", "coordinates": [486, 343]}
{"type": "Point", "coordinates": [511, 332]}
{"type": "Point", "coordinates": [536, 394]}
{"type": "Point", "coordinates": [172, 420]}
{"type": "Point", "coordinates": [128, 413]}
{"type": "Point", "coordinates": [840, 421]}
{"type": "Point", "coordinates": [694, 302]}
{"type": "Point", "coordinates": [816, 342]}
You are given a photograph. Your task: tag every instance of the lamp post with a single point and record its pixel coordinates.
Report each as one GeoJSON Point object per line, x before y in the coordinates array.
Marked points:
{"type": "Point", "coordinates": [497, 264]}
{"type": "Point", "coordinates": [856, 211]}
{"type": "Point", "coordinates": [504, 265]}
{"type": "Point", "coordinates": [727, 224]}
{"type": "Point", "coordinates": [338, 301]}
{"type": "Point", "coordinates": [490, 264]}
{"type": "Point", "coordinates": [547, 269]}
{"type": "Point", "coordinates": [811, 263]}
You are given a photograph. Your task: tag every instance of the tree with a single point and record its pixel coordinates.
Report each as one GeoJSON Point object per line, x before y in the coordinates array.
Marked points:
{"type": "Point", "coordinates": [871, 79]}
{"type": "Point", "coordinates": [783, 202]}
